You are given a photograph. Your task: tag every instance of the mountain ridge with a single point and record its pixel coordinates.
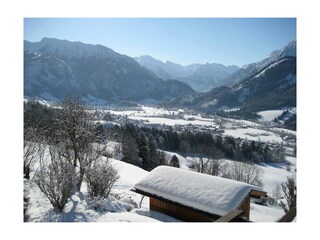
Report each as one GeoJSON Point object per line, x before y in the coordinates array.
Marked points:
{"type": "Point", "coordinates": [58, 68]}
{"type": "Point", "coordinates": [201, 77]}
{"type": "Point", "coordinates": [272, 87]}
{"type": "Point", "coordinates": [247, 70]}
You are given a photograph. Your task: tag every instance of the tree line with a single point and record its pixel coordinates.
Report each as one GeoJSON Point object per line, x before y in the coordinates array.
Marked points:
{"type": "Point", "coordinates": [140, 142]}
{"type": "Point", "coordinates": [195, 143]}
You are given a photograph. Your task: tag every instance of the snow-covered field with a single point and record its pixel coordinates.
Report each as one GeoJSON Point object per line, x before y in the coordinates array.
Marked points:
{"type": "Point", "coordinates": [254, 134]}
{"type": "Point", "coordinates": [270, 115]}
{"type": "Point", "coordinates": [244, 129]}
{"type": "Point", "coordinates": [236, 122]}
{"type": "Point", "coordinates": [146, 111]}
{"type": "Point", "coordinates": [172, 122]}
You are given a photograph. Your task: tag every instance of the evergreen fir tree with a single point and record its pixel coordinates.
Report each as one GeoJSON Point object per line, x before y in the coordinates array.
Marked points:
{"type": "Point", "coordinates": [144, 151]}
{"type": "Point", "coordinates": [162, 158]}
{"type": "Point", "coordinates": [130, 151]}
{"type": "Point", "coordinates": [174, 161]}
{"type": "Point", "coordinates": [153, 153]}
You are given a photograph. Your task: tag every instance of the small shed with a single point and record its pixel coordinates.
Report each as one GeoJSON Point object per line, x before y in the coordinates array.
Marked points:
{"type": "Point", "coordinates": [196, 197]}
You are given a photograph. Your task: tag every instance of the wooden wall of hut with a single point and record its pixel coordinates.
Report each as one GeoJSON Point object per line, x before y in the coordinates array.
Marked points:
{"type": "Point", "coordinates": [180, 212]}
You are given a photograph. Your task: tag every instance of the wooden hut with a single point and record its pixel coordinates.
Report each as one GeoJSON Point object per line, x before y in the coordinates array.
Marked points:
{"type": "Point", "coordinates": [197, 197]}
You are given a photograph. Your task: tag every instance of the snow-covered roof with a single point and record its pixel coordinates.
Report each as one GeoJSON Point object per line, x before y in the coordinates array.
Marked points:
{"type": "Point", "coordinates": [204, 192]}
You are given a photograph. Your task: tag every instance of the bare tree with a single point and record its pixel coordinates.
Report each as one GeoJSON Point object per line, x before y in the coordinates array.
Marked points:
{"type": "Point", "coordinates": [209, 166]}
{"type": "Point", "coordinates": [54, 177]}
{"type": "Point", "coordinates": [289, 189]}
{"type": "Point", "coordinates": [100, 177]}
{"type": "Point", "coordinates": [276, 192]}
{"type": "Point", "coordinates": [215, 167]}
{"type": "Point", "coordinates": [76, 136]}
{"type": "Point", "coordinates": [30, 151]}
{"type": "Point", "coordinates": [244, 172]}
{"type": "Point", "coordinates": [200, 166]}
{"type": "Point", "coordinates": [212, 163]}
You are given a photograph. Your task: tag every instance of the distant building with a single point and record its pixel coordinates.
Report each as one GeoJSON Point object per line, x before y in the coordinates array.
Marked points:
{"type": "Point", "coordinates": [196, 197]}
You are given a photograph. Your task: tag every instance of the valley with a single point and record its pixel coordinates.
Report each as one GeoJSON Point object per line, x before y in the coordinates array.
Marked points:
{"type": "Point", "coordinates": [184, 120]}
{"type": "Point", "coordinates": [96, 122]}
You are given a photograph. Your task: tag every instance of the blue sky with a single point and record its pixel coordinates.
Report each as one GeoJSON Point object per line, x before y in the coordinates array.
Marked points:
{"type": "Point", "coordinates": [182, 40]}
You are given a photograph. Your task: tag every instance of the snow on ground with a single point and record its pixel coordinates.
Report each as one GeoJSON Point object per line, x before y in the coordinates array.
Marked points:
{"type": "Point", "coordinates": [110, 148]}
{"type": "Point", "coordinates": [125, 217]}
{"type": "Point", "coordinates": [292, 160]}
{"type": "Point", "coordinates": [240, 122]}
{"type": "Point", "coordinates": [47, 103]}
{"type": "Point", "coordinates": [123, 113]}
{"type": "Point", "coordinates": [254, 134]}
{"type": "Point", "coordinates": [137, 215]}
{"type": "Point", "coordinates": [273, 175]}
{"type": "Point", "coordinates": [129, 174]}
{"type": "Point", "coordinates": [283, 130]}
{"type": "Point", "coordinates": [172, 122]}
{"type": "Point", "coordinates": [146, 111]}
{"type": "Point", "coordinates": [185, 163]}
{"type": "Point", "coordinates": [270, 115]}
{"type": "Point", "coordinates": [231, 109]}
{"type": "Point", "coordinates": [123, 203]}
{"type": "Point", "coordinates": [293, 110]}
{"type": "Point", "coordinates": [151, 111]}
{"type": "Point", "coordinates": [198, 117]}
{"type": "Point", "coordinates": [79, 209]}
{"type": "Point", "coordinates": [259, 213]}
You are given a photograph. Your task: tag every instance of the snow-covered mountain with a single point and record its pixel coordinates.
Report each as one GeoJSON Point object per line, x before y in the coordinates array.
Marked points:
{"type": "Point", "coordinates": [55, 68]}
{"type": "Point", "coordinates": [249, 70]}
{"type": "Point", "coordinates": [166, 70]}
{"type": "Point", "coordinates": [201, 77]}
{"type": "Point", "coordinates": [273, 87]}
{"type": "Point", "coordinates": [209, 76]}
{"type": "Point", "coordinates": [67, 50]}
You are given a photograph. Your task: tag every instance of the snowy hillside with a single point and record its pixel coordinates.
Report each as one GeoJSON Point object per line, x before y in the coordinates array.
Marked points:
{"type": "Point", "coordinates": [273, 87]}
{"type": "Point", "coordinates": [123, 205]}
{"type": "Point", "coordinates": [269, 115]}
{"type": "Point", "coordinates": [248, 70]}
